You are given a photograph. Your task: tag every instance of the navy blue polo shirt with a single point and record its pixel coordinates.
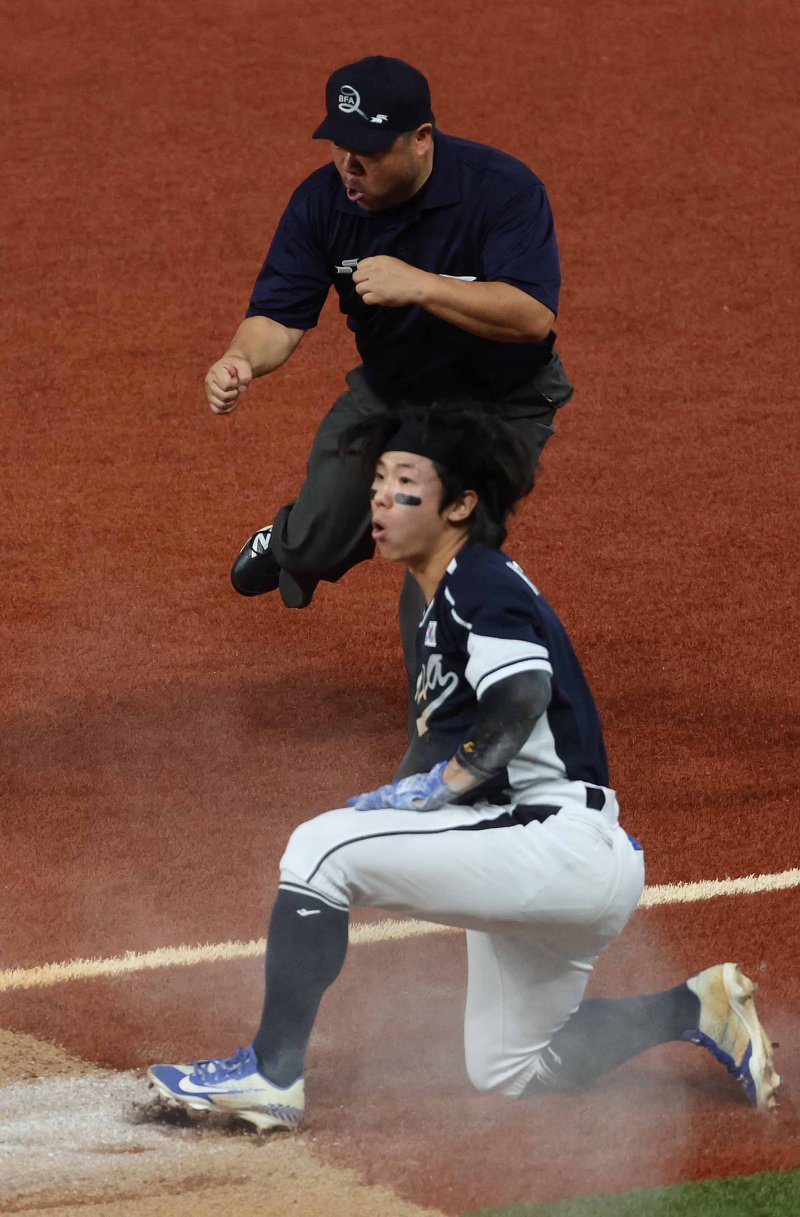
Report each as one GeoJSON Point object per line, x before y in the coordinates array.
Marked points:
{"type": "Point", "coordinates": [482, 215]}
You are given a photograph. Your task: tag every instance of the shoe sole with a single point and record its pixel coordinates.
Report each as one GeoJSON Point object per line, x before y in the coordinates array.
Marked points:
{"type": "Point", "coordinates": [740, 990]}
{"type": "Point", "coordinates": [262, 1120]}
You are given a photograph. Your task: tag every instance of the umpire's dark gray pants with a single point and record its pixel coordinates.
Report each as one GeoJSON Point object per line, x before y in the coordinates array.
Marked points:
{"type": "Point", "coordinates": [326, 529]}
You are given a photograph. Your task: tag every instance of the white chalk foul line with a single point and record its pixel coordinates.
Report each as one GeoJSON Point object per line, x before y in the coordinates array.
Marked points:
{"type": "Point", "coordinates": [360, 934]}
{"type": "Point", "coordinates": [184, 956]}
{"type": "Point", "coordinates": [708, 889]}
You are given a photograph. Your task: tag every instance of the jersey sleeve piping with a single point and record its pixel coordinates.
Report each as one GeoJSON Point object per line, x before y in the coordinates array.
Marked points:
{"type": "Point", "coordinates": [511, 669]}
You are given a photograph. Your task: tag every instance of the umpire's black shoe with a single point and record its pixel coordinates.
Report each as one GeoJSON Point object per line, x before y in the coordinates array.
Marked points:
{"type": "Point", "coordinates": [255, 569]}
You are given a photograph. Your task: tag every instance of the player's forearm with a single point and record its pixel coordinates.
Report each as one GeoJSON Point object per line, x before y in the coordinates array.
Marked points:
{"type": "Point", "coordinates": [507, 713]}
{"type": "Point", "coordinates": [505, 718]}
{"type": "Point", "coordinates": [497, 311]}
{"type": "Point", "coordinates": [264, 343]}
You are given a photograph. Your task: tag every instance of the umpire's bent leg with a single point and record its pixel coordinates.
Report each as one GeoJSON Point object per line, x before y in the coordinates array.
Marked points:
{"type": "Point", "coordinates": [326, 529]}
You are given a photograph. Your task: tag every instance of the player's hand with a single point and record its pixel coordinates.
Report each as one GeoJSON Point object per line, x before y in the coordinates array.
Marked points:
{"type": "Point", "coordinates": [419, 792]}
{"type": "Point", "coordinates": [225, 380]}
{"type": "Point", "coordinates": [388, 281]}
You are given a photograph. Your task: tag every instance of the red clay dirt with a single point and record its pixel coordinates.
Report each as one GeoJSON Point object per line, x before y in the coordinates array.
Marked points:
{"type": "Point", "coordinates": [162, 736]}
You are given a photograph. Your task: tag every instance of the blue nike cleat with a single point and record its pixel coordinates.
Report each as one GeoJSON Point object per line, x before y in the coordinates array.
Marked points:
{"type": "Point", "coordinates": [234, 1085]}
{"type": "Point", "coordinates": [729, 1028]}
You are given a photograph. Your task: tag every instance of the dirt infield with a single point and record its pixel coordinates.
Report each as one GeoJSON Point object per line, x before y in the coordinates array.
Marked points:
{"type": "Point", "coordinates": [161, 736]}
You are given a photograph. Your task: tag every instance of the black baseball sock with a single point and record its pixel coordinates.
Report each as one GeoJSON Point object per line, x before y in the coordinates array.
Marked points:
{"type": "Point", "coordinates": [306, 947]}
{"type": "Point", "coordinates": [605, 1031]}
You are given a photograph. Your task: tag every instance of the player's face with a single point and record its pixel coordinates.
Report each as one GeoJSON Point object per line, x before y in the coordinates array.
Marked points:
{"type": "Point", "coordinates": [376, 180]}
{"type": "Point", "coordinates": [407, 523]}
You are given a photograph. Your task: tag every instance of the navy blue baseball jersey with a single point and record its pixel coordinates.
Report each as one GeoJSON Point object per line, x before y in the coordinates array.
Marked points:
{"type": "Point", "coordinates": [482, 215]}
{"type": "Point", "coordinates": [486, 622]}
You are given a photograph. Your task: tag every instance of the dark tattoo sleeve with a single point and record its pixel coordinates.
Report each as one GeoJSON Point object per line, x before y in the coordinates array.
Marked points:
{"type": "Point", "coordinates": [506, 716]}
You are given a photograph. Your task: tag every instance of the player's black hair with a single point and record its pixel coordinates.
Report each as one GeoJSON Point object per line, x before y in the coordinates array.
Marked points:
{"type": "Point", "coordinates": [471, 449]}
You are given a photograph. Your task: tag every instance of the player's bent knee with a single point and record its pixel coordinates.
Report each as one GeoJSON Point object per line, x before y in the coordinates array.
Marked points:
{"type": "Point", "coordinates": [308, 856]}
{"type": "Point", "coordinates": [299, 852]}
{"type": "Point", "coordinates": [501, 1075]}
{"type": "Point", "coordinates": [488, 1077]}
{"type": "Point", "coordinates": [484, 1068]}
{"type": "Point", "coordinates": [480, 1079]}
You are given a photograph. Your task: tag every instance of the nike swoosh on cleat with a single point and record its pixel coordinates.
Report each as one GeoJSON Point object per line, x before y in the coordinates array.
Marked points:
{"type": "Point", "coordinates": [210, 1089]}
{"type": "Point", "coordinates": [308, 912]}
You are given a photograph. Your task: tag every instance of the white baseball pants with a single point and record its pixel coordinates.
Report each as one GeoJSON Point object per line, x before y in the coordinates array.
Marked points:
{"type": "Point", "coordinates": [539, 903]}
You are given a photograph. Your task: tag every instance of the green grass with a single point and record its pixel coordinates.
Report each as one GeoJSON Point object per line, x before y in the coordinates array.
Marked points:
{"type": "Point", "coordinates": [775, 1194]}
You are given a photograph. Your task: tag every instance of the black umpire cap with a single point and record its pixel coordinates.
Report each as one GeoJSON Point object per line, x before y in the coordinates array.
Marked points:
{"type": "Point", "coordinates": [372, 101]}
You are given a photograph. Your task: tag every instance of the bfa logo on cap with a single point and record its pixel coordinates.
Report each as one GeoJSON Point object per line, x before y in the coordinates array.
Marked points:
{"type": "Point", "coordinates": [350, 103]}
{"type": "Point", "coordinates": [350, 100]}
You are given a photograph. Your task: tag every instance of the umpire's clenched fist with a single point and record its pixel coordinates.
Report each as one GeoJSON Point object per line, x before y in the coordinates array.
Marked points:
{"type": "Point", "coordinates": [388, 281]}
{"type": "Point", "coordinates": [226, 379]}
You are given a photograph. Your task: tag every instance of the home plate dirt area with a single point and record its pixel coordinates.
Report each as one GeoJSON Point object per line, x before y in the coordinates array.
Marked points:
{"type": "Point", "coordinates": [393, 1124]}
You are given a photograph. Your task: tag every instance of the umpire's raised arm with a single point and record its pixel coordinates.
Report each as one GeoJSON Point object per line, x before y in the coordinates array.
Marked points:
{"type": "Point", "coordinates": [260, 345]}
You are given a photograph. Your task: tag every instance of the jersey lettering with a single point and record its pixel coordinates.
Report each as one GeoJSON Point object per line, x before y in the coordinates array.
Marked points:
{"type": "Point", "coordinates": [510, 628]}
{"type": "Point", "coordinates": [432, 678]}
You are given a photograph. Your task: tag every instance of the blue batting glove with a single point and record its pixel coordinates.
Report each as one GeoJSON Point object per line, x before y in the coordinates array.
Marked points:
{"type": "Point", "coordinates": [419, 792]}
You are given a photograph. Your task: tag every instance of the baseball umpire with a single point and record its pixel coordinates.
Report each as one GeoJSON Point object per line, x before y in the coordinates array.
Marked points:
{"type": "Point", "coordinates": [443, 255]}
{"type": "Point", "coordinates": [506, 824]}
